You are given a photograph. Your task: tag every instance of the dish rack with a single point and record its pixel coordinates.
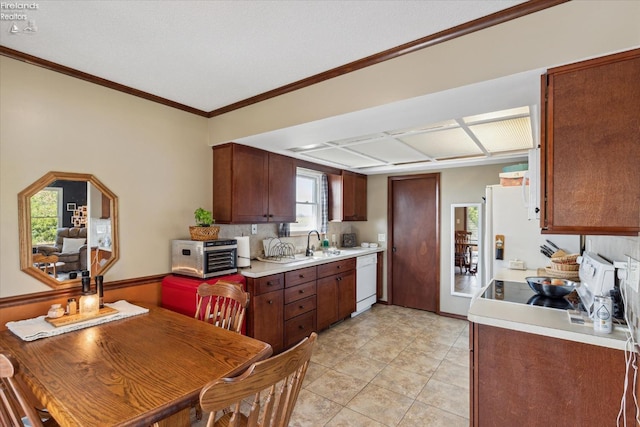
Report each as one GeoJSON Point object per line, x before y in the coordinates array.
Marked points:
{"type": "Point", "coordinates": [276, 250]}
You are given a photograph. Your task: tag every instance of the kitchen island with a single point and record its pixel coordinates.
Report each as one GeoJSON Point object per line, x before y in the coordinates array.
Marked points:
{"type": "Point", "coordinates": [530, 364]}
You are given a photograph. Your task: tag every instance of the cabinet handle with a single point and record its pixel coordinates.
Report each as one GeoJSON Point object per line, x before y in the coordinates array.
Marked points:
{"type": "Point", "coordinates": [270, 301]}
{"type": "Point", "coordinates": [270, 283]}
{"type": "Point", "coordinates": [301, 276]}
{"type": "Point", "coordinates": [270, 215]}
{"type": "Point", "coordinates": [300, 327]}
{"type": "Point", "coordinates": [338, 267]}
{"type": "Point", "coordinates": [265, 216]}
{"type": "Point", "coordinates": [301, 291]}
{"type": "Point", "coordinates": [301, 307]}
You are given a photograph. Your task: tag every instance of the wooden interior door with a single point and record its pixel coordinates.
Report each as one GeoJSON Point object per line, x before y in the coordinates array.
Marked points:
{"type": "Point", "coordinates": [414, 273]}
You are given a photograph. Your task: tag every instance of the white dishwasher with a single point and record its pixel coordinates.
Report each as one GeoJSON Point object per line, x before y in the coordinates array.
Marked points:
{"type": "Point", "coordinates": [366, 279]}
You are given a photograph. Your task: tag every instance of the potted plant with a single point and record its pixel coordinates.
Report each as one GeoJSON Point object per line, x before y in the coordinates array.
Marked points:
{"type": "Point", "coordinates": [204, 230]}
{"type": "Point", "coordinates": [204, 218]}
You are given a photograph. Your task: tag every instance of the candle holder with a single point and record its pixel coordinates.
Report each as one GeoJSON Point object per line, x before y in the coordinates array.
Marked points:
{"type": "Point", "coordinates": [89, 304]}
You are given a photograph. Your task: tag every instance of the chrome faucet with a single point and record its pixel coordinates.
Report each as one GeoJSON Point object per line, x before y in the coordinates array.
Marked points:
{"type": "Point", "coordinates": [309, 252]}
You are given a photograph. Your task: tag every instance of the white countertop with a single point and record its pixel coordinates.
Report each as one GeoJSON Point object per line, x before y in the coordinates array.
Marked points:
{"type": "Point", "coordinates": [538, 320]}
{"type": "Point", "coordinates": [260, 268]}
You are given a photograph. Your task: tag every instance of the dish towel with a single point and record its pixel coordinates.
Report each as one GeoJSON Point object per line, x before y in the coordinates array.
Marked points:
{"type": "Point", "coordinates": [36, 328]}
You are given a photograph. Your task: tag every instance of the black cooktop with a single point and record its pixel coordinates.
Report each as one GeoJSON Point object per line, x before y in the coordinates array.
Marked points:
{"type": "Point", "coordinates": [521, 293]}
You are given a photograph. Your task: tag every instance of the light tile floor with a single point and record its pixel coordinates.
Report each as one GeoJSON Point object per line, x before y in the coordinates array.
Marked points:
{"type": "Point", "coordinates": [390, 366]}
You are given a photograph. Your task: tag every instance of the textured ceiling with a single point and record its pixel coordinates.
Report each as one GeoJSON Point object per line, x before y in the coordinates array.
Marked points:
{"type": "Point", "coordinates": [209, 54]}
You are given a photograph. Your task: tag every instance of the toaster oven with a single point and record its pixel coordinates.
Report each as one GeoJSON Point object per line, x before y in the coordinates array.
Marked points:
{"type": "Point", "coordinates": [204, 259]}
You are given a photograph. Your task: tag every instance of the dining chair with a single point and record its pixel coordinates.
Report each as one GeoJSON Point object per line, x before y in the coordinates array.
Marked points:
{"type": "Point", "coordinates": [17, 407]}
{"type": "Point", "coordinates": [223, 304]}
{"type": "Point", "coordinates": [263, 395]}
{"type": "Point", "coordinates": [461, 249]}
{"type": "Point", "coordinates": [47, 262]}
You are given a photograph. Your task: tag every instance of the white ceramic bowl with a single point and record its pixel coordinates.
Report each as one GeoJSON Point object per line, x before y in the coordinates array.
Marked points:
{"type": "Point", "coordinates": [364, 245]}
{"type": "Point", "coordinates": [373, 245]}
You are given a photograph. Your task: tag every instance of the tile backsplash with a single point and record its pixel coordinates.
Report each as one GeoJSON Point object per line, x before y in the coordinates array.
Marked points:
{"type": "Point", "coordinates": [617, 248]}
{"type": "Point", "coordinates": [266, 231]}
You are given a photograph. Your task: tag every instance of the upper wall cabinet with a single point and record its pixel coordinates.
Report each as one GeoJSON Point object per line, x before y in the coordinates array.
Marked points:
{"type": "Point", "coordinates": [590, 146]}
{"type": "Point", "coordinates": [348, 197]}
{"type": "Point", "coordinates": [252, 185]}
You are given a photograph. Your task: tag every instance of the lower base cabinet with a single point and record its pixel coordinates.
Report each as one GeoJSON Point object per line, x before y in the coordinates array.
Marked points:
{"type": "Point", "coordinates": [519, 378]}
{"type": "Point", "coordinates": [285, 308]}
{"type": "Point", "coordinates": [336, 292]}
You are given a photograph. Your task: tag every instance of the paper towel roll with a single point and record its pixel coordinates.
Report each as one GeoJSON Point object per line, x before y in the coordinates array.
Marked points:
{"type": "Point", "coordinates": [244, 251]}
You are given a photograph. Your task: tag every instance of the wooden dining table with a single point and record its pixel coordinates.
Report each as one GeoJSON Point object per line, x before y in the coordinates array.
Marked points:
{"type": "Point", "coordinates": [130, 372]}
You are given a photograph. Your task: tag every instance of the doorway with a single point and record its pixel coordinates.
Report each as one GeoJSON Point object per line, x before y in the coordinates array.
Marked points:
{"type": "Point", "coordinates": [414, 224]}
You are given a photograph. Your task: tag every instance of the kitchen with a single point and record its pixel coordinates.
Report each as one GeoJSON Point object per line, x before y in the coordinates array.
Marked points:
{"type": "Point", "coordinates": [170, 195]}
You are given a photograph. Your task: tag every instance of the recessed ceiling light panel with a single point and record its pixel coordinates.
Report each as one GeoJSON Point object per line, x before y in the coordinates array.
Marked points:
{"type": "Point", "coordinates": [443, 144]}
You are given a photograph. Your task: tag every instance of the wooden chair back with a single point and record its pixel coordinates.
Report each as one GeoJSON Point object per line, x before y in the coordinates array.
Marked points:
{"type": "Point", "coordinates": [461, 248]}
{"type": "Point", "coordinates": [264, 395]}
{"type": "Point", "coordinates": [14, 398]}
{"type": "Point", "coordinates": [223, 304]}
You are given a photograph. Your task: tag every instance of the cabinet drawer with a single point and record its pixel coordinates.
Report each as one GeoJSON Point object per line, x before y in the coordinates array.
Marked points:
{"type": "Point", "coordinates": [299, 307]}
{"type": "Point", "coordinates": [302, 275]}
{"type": "Point", "coordinates": [300, 291]}
{"type": "Point", "coordinates": [299, 327]}
{"type": "Point", "coordinates": [325, 270]}
{"type": "Point", "coordinates": [269, 283]}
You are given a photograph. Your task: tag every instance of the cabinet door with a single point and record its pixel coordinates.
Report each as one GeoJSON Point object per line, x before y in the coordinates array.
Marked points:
{"type": "Point", "coordinates": [518, 373]}
{"type": "Point", "coordinates": [361, 197]}
{"type": "Point", "coordinates": [354, 196]}
{"type": "Point", "coordinates": [282, 189]}
{"type": "Point", "coordinates": [348, 197]}
{"type": "Point", "coordinates": [346, 294]}
{"type": "Point", "coordinates": [267, 319]}
{"type": "Point", "coordinates": [591, 147]}
{"type": "Point", "coordinates": [327, 302]}
{"type": "Point", "coordinates": [250, 197]}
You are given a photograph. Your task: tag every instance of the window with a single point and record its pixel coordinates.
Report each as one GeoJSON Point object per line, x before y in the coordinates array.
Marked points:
{"type": "Point", "coordinates": [472, 223]}
{"type": "Point", "coordinates": [307, 201]}
{"type": "Point", "coordinates": [46, 215]}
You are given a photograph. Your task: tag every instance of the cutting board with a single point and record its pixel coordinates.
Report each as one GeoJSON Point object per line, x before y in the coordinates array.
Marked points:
{"type": "Point", "coordinates": [75, 318]}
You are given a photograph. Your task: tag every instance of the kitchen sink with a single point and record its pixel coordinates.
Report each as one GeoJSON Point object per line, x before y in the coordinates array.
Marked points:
{"type": "Point", "coordinates": [289, 260]}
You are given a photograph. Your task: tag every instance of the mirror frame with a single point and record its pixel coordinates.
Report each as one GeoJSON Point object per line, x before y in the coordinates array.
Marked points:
{"type": "Point", "coordinates": [452, 236]}
{"type": "Point", "coordinates": [24, 226]}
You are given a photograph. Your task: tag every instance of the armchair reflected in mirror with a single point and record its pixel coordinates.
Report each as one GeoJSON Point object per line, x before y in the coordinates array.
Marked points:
{"type": "Point", "coordinates": [68, 224]}
{"type": "Point", "coordinates": [466, 248]}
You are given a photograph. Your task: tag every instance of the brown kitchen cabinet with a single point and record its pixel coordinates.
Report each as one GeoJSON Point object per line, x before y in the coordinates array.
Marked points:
{"type": "Point", "coordinates": [348, 197]}
{"type": "Point", "coordinates": [265, 316]}
{"type": "Point", "coordinates": [252, 185]}
{"type": "Point", "coordinates": [336, 292]}
{"type": "Point", "coordinates": [517, 377]}
{"type": "Point", "coordinates": [590, 147]}
{"type": "Point", "coordinates": [299, 305]}
{"type": "Point", "coordinates": [282, 308]}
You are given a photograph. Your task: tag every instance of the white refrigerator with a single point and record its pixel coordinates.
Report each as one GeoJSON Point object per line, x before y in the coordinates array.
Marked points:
{"type": "Point", "coordinates": [506, 214]}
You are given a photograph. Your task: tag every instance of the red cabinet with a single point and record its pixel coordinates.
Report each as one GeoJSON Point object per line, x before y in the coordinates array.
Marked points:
{"type": "Point", "coordinates": [179, 292]}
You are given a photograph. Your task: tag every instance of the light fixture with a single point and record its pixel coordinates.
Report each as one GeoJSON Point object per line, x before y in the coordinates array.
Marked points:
{"type": "Point", "coordinates": [89, 301]}
{"type": "Point", "coordinates": [89, 304]}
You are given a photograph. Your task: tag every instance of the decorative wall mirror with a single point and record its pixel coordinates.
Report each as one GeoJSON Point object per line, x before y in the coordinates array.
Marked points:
{"type": "Point", "coordinates": [68, 223]}
{"type": "Point", "coordinates": [466, 248]}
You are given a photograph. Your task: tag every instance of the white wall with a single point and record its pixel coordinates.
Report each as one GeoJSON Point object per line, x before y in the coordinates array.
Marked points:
{"type": "Point", "coordinates": [559, 35]}
{"type": "Point", "coordinates": [457, 185]}
{"type": "Point", "coordinates": [154, 158]}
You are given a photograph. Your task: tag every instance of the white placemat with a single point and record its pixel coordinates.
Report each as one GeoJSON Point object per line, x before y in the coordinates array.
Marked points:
{"type": "Point", "coordinates": [36, 328]}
